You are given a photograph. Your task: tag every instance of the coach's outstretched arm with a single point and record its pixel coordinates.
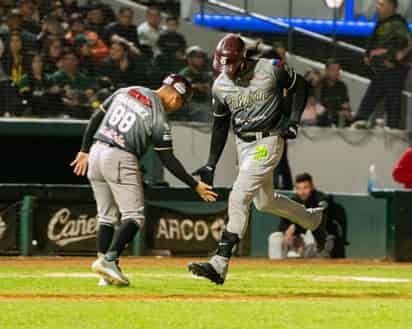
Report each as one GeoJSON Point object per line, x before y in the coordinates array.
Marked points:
{"type": "Point", "coordinates": [81, 162]}
{"type": "Point", "coordinates": [220, 132]}
{"type": "Point", "coordinates": [176, 168]}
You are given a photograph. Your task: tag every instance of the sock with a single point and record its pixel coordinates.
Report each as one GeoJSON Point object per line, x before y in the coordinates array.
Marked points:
{"type": "Point", "coordinates": [104, 238]}
{"type": "Point", "coordinates": [227, 244]}
{"type": "Point", "coordinates": [123, 235]}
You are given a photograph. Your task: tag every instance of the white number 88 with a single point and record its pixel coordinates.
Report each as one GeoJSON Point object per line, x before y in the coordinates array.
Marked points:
{"type": "Point", "coordinates": [122, 119]}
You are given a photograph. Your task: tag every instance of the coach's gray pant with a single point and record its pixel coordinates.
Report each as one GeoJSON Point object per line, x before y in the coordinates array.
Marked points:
{"type": "Point", "coordinates": [257, 160]}
{"type": "Point", "coordinates": [117, 184]}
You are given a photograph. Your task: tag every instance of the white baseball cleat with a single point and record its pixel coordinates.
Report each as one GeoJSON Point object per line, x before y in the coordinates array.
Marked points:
{"type": "Point", "coordinates": [104, 282]}
{"type": "Point", "coordinates": [110, 271]}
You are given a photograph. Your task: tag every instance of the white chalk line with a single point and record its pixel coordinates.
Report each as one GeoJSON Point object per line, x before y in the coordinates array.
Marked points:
{"type": "Point", "coordinates": [315, 278]}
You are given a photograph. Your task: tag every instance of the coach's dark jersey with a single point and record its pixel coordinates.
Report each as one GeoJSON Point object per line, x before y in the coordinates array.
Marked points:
{"type": "Point", "coordinates": [255, 98]}
{"type": "Point", "coordinates": [134, 120]}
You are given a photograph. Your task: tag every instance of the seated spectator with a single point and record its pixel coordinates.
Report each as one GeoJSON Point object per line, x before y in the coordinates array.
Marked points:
{"type": "Point", "coordinates": [99, 48]}
{"type": "Point", "coordinates": [57, 11]}
{"type": "Point", "coordinates": [11, 22]}
{"type": "Point", "coordinates": [96, 19]}
{"type": "Point", "coordinates": [402, 173]}
{"type": "Point", "coordinates": [70, 7]}
{"type": "Point", "coordinates": [45, 8]}
{"type": "Point", "coordinates": [51, 29]}
{"type": "Point", "coordinates": [27, 9]}
{"type": "Point", "coordinates": [13, 58]}
{"type": "Point", "coordinates": [74, 87]}
{"type": "Point", "coordinates": [12, 68]}
{"type": "Point", "coordinates": [84, 49]}
{"type": "Point", "coordinates": [124, 68]}
{"type": "Point", "coordinates": [165, 63]}
{"type": "Point", "coordinates": [170, 41]}
{"type": "Point", "coordinates": [292, 237]}
{"type": "Point", "coordinates": [52, 53]}
{"type": "Point", "coordinates": [124, 27]}
{"type": "Point", "coordinates": [196, 71]}
{"type": "Point", "coordinates": [149, 31]}
{"type": "Point", "coordinates": [334, 97]}
{"type": "Point", "coordinates": [14, 22]}
{"type": "Point", "coordinates": [313, 109]}
{"type": "Point", "coordinates": [34, 89]}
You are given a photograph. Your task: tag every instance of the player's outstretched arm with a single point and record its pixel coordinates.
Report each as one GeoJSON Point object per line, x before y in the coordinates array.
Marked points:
{"type": "Point", "coordinates": [220, 132]}
{"type": "Point", "coordinates": [80, 164]}
{"type": "Point", "coordinates": [176, 168]}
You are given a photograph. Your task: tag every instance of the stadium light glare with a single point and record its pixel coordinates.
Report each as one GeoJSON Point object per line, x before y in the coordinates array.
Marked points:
{"type": "Point", "coordinates": [334, 4]}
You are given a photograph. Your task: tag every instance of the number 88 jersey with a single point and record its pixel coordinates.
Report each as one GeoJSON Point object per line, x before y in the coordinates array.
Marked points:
{"type": "Point", "coordinates": [135, 118]}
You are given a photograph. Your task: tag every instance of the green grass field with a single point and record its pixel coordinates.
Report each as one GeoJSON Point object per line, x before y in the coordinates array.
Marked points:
{"type": "Point", "coordinates": [62, 293]}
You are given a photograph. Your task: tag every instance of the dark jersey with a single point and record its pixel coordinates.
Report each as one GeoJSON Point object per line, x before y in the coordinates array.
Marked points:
{"type": "Point", "coordinates": [255, 98]}
{"type": "Point", "coordinates": [134, 120]}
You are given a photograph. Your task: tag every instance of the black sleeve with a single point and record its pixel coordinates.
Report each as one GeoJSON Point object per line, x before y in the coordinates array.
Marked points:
{"type": "Point", "coordinates": [220, 132]}
{"type": "Point", "coordinates": [176, 168]}
{"type": "Point", "coordinates": [295, 84]}
{"type": "Point", "coordinates": [299, 99]}
{"type": "Point", "coordinates": [285, 75]}
{"type": "Point", "coordinates": [321, 199]}
{"type": "Point", "coordinates": [91, 129]}
{"type": "Point", "coordinates": [162, 138]}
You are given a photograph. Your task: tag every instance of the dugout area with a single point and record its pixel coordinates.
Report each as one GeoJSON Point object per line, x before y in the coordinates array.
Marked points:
{"type": "Point", "coordinates": [57, 217]}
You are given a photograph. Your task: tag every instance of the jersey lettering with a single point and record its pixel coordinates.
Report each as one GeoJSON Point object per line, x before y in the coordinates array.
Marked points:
{"type": "Point", "coordinates": [136, 94]}
{"type": "Point", "coordinates": [124, 120]}
{"type": "Point", "coordinates": [132, 125]}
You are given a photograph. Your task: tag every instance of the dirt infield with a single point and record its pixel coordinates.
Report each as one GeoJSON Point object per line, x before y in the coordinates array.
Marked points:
{"type": "Point", "coordinates": [174, 261]}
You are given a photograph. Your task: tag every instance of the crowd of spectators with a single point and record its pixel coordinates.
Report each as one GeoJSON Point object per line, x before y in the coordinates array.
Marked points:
{"type": "Point", "coordinates": [57, 58]}
{"type": "Point", "coordinates": [328, 102]}
{"type": "Point", "coordinates": [60, 59]}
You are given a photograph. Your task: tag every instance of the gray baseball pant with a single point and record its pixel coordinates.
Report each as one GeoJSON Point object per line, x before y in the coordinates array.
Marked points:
{"type": "Point", "coordinates": [117, 184]}
{"type": "Point", "coordinates": [254, 183]}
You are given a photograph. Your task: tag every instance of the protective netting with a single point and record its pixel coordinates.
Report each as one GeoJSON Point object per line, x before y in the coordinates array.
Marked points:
{"type": "Point", "coordinates": [356, 58]}
{"type": "Point", "coordinates": [62, 59]}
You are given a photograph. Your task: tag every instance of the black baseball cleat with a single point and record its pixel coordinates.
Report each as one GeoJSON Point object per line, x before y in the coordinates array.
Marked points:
{"type": "Point", "coordinates": [207, 271]}
{"type": "Point", "coordinates": [321, 232]}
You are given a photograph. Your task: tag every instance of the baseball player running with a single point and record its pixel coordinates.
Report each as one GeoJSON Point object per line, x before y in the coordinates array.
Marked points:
{"type": "Point", "coordinates": [248, 93]}
{"type": "Point", "coordinates": [127, 123]}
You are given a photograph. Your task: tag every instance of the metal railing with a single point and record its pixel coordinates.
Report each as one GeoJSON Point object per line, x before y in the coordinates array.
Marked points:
{"type": "Point", "coordinates": [283, 24]}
